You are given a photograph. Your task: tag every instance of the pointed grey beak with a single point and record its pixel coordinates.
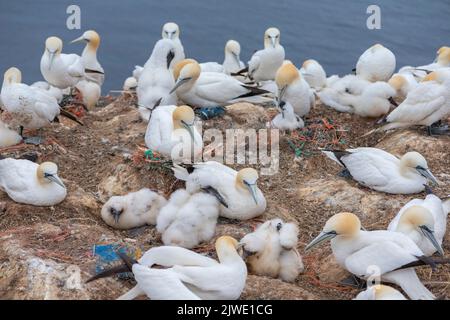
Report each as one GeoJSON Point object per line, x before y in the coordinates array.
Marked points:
{"type": "Point", "coordinates": [272, 39]}
{"type": "Point", "coordinates": [78, 40]}
{"type": "Point", "coordinates": [54, 178]}
{"type": "Point", "coordinates": [52, 58]}
{"type": "Point", "coordinates": [281, 93]}
{"type": "Point", "coordinates": [427, 174]}
{"type": "Point", "coordinates": [252, 189]}
{"type": "Point", "coordinates": [323, 236]}
{"type": "Point", "coordinates": [189, 128]}
{"type": "Point", "coordinates": [179, 83]}
{"type": "Point", "coordinates": [281, 106]}
{"type": "Point", "coordinates": [429, 234]}
{"type": "Point", "coordinates": [236, 58]}
{"type": "Point", "coordinates": [116, 214]}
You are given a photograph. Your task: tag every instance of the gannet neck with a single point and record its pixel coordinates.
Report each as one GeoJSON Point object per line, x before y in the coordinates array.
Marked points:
{"type": "Point", "coordinates": [12, 75]}
{"type": "Point", "coordinates": [226, 248]}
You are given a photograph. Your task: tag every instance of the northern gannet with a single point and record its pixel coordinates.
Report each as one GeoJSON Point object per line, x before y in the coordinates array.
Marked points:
{"type": "Point", "coordinates": [272, 249]}
{"type": "Point", "coordinates": [156, 80]}
{"type": "Point", "coordinates": [171, 31]}
{"type": "Point", "coordinates": [294, 89]}
{"type": "Point", "coordinates": [287, 119]}
{"type": "Point", "coordinates": [264, 63]}
{"type": "Point", "coordinates": [231, 63]}
{"type": "Point", "coordinates": [208, 89]}
{"type": "Point", "coordinates": [172, 133]}
{"type": "Point", "coordinates": [237, 191]}
{"type": "Point", "coordinates": [314, 74]}
{"type": "Point", "coordinates": [188, 275]}
{"type": "Point", "coordinates": [376, 64]}
{"type": "Point", "coordinates": [359, 252]}
{"type": "Point", "coordinates": [424, 221]}
{"type": "Point", "coordinates": [8, 137]}
{"type": "Point", "coordinates": [133, 210]}
{"type": "Point", "coordinates": [403, 83]}
{"type": "Point", "coordinates": [188, 219]}
{"type": "Point", "coordinates": [29, 183]}
{"type": "Point", "coordinates": [442, 61]}
{"type": "Point", "coordinates": [380, 292]}
{"type": "Point", "coordinates": [59, 69]}
{"type": "Point", "coordinates": [379, 170]}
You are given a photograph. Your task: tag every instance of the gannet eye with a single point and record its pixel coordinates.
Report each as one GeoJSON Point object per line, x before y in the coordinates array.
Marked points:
{"type": "Point", "coordinates": [279, 225]}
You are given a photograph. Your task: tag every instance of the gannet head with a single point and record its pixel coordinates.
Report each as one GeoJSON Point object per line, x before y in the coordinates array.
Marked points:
{"type": "Point", "coordinates": [397, 81]}
{"type": "Point", "coordinates": [414, 161]}
{"type": "Point", "coordinates": [285, 76]}
{"type": "Point", "coordinates": [12, 75]}
{"type": "Point", "coordinates": [91, 37]}
{"type": "Point", "coordinates": [180, 65]}
{"type": "Point", "coordinates": [380, 291]}
{"type": "Point", "coordinates": [439, 76]}
{"type": "Point", "coordinates": [189, 72]}
{"type": "Point", "coordinates": [183, 118]}
{"type": "Point", "coordinates": [234, 48]}
{"type": "Point", "coordinates": [130, 84]}
{"type": "Point", "coordinates": [247, 179]}
{"type": "Point", "coordinates": [227, 248]}
{"type": "Point", "coordinates": [170, 31]}
{"type": "Point", "coordinates": [418, 218]}
{"type": "Point", "coordinates": [47, 172]}
{"type": "Point", "coordinates": [376, 46]}
{"type": "Point", "coordinates": [443, 56]}
{"type": "Point", "coordinates": [53, 46]}
{"type": "Point", "coordinates": [308, 63]}
{"type": "Point", "coordinates": [271, 38]}
{"type": "Point", "coordinates": [343, 224]}
{"type": "Point", "coordinates": [114, 208]}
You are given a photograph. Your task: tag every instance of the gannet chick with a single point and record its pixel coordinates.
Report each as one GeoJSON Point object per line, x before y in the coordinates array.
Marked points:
{"type": "Point", "coordinates": [273, 250]}
{"type": "Point", "coordinates": [380, 292]}
{"type": "Point", "coordinates": [172, 133]}
{"type": "Point", "coordinates": [208, 89]}
{"type": "Point", "coordinates": [379, 170]}
{"type": "Point", "coordinates": [314, 74]}
{"type": "Point", "coordinates": [232, 61]}
{"type": "Point", "coordinates": [424, 221]}
{"type": "Point", "coordinates": [426, 104]}
{"type": "Point", "coordinates": [8, 137]}
{"type": "Point", "coordinates": [287, 119]}
{"type": "Point", "coordinates": [30, 107]}
{"type": "Point", "coordinates": [133, 210]}
{"type": "Point", "coordinates": [264, 63]}
{"type": "Point", "coordinates": [51, 90]}
{"type": "Point", "coordinates": [171, 31]}
{"type": "Point", "coordinates": [90, 92]}
{"type": "Point", "coordinates": [59, 69]}
{"type": "Point", "coordinates": [237, 191]}
{"type": "Point", "coordinates": [156, 79]}
{"type": "Point", "coordinates": [188, 220]}
{"type": "Point", "coordinates": [294, 89]}
{"type": "Point", "coordinates": [403, 83]}
{"type": "Point", "coordinates": [89, 57]}
{"type": "Point", "coordinates": [189, 275]}
{"type": "Point", "coordinates": [360, 251]}
{"type": "Point", "coordinates": [376, 64]}
{"type": "Point", "coordinates": [29, 183]}
{"type": "Point", "coordinates": [130, 84]}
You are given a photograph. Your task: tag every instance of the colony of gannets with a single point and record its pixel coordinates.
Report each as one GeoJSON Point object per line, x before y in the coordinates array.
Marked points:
{"type": "Point", "coordinates": [170, 88]}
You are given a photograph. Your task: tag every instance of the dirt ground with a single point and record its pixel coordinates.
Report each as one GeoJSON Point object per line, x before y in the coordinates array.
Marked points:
{"type": "Point", "coordinates": [105, 157]}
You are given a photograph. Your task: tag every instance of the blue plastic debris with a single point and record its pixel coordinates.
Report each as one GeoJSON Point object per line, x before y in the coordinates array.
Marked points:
{"type": "Point", "coordinates": [207, 113]}
{"type": "Point", "coordinates": [106, 257]}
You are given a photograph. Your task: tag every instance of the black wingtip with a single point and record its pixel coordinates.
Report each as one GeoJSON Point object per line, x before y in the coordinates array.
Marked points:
{"type": "Point", "coordinates": [93, 71]}
{"type": "Point", "coordinates": [240, 72]}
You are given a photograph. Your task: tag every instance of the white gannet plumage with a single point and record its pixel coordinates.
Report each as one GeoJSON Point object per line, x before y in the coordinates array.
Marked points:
{"type": "Point", "coordinates": [314, 74]}
{"type": "Point", "coordinates": [376, 64]}
{"type": "Point", "coordinates": [287, 119]}
{"type": "Point", "coordinates": [8, 137]}
{"type": "Point", "coordinates": [380, 292]}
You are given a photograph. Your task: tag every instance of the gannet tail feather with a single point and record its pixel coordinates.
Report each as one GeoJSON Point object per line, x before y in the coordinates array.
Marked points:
{"type": "Point", "coordinates": [253, 91]}
{"type": "Point", "coordinates": [216, 194]}
{"type": "Point", "coordinates": [240, 72]}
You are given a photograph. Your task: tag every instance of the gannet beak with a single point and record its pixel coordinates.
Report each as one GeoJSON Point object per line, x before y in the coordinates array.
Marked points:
{"type": "Point", "coordinates": [281, 93]}
{"type": "Point", "coordinates": [252, 189]}
{"type": "Point", "coordinates": [54, 178]}
{"type": "Point", "coordinates": [189, 128]}
{"type": "Point", "coordinates": [430, 235]}
{"type": "Point", "coordinates": [78, 40]}
{"type": "Point", "coordinates": [323, 236]}
{"type": "Point", "coordinates": [236, 58]}
{"type": "Point", "coordinates": [393, 102]}
{"type": "Point", "coordinates": [273, 41]}
{"type": "Point", "coordinates": [116, 214]}
{"type": "Point", "coordinates": [179, 83]}
{"type": "Point", "coordinates": [281, 106]}
{"type": "Point", "coordinates": [52, 57]}
{"type": "Point", "coordinates": [427, 174]}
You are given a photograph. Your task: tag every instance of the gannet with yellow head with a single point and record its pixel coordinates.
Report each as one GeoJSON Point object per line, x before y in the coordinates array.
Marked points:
{"type": "Point", "coordinates": [359, 252]}
{"type": "Point", "coordinates": [188, 275]}
{"type": "Point", "coordinates": [380, 292]}
{"type": "Point", "coordinates": [89, 57]}
{"type": "Point", "coordinates": [29, 183]}
{"type": "Point", "coordinates": [171, 31]}
{"type": "Point", "coordinates": [376, 64]}
{"type": "Point", "coordinates": [237, 191]}
{"type": "Point", "coordinates": [379, 170]}
{"type": "Point", "coordinates": [402, 83]}
{"type": "Point", "coordinates": [314, 74]}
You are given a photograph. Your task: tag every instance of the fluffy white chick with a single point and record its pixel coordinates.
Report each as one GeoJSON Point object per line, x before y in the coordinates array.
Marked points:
{"type": "Point", "coordinates": [133, 210]}
{"type": "Point", "coordinates": [188, 219]}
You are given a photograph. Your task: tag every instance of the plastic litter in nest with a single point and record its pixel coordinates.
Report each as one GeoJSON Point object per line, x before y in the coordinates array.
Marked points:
{"type": "Point", "coordinates": [153, 159]}
{"type": "Point", "coordinates": [207, 113]}
{"type": "Point", "coordinates": [106, 257]}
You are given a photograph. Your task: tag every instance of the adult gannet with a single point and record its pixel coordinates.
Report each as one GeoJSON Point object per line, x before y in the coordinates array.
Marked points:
{"type": "Point", "coordinates": [29, 107]}
{"type": "Point", "coordinates": [172, 133]}
{"type": "Point", "coordinates": [424, 221]}
{"type": "Point", "coordinates": [89, 56]}
{"type": "Point", "coordinates": [29, 183]}
{"type": "Point", "coordinates": [59, 69]}
{"type": "Point", "coordinates": [426, 104]}
{"type": "Point", "coordinates": [171, 31]}
{"type": "Point", "coordinates": [264, 63]}
{"type": "Point", "coordinates": [188, 219]}
{"type": "Point", "coordinates": [379, 170]}
{"type": "Point", "coordinates": [272, 249]}
{"type": "Point", "coordinates": [360, 252]}
{"type": "Point", "coordinates": [376, 64]}
{"type": "Point", "coordinates": [208, 89]}
{"type": "Point", "coordinates": [8, 137]}
{"type": "Point", "coordinates": [287, 119]}
{"type": "Point", "coordinates": [314, 74]}
{"type": "Point", "coordinates": [380, 292]}
{"type": "Point", "coordinates": [133, 210]}
{"type": "Point", "coordinates": [237, 191]}
{"type": "Point", "coordinates": [294, 89]}
{"type": "Point", "coordinates": [156, 80]}
{"type": "Point", "coordinates": [188, 275]}
{"type": "Point", "coordinates": [231, 63]}
{"type": "Point", "coordinates": [442, 61]}
{"type": "Point", "coordinates": [403, 83]}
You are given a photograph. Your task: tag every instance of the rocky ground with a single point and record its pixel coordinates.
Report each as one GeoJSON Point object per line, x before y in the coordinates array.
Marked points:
{"type": "Point", "coordinates": [42, 249]}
